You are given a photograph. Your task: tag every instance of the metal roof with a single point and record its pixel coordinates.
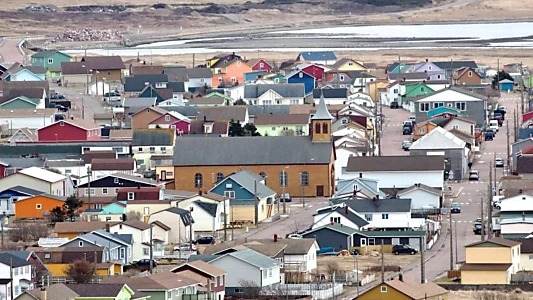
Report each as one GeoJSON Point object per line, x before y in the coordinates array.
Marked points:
{"type": "Point", "coordinates": [284, 90]}
{"type": "Point", "coordinates": [254, 258]}
{"type": "Point", "coordinates": [438, 138]}
{"type": "Point", "coordinates": [364, 205]}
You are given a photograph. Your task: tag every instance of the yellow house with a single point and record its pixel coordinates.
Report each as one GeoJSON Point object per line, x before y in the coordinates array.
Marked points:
{"type": "Point", "coordinates": [401, 289]}
{"type": "Point", "coordinates": [422, 129]}
{"type": "Point", "coordinates": [71, 230]}
{"type": "Point", "coordinates": [491, 262]}
{"type": "Point", "coordinates": [147, 207]}
{"type": "Point", "coordinates": [279, 125]}
{"type": "Point", "coordinates": [375, 86]}
{"type": "Point", "coordinates": [348, 64]}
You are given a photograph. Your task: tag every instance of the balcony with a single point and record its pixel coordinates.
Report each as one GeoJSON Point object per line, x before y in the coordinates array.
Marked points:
{"type": "Point", "coordinates": [295, 266]}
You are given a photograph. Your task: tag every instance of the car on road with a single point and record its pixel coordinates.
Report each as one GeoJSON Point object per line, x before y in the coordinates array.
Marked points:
{"type": "Point", "coordinates": [477, 229]}
{"type": "Point", "coordinates": [473, 175]}
{"type": "Point", "coordinates": [113, 96]}
{"type": "Point", "coordinates": [412, 119]}
{"type": "Point", "coordinates": [57, 97]}
{"type": "Point", "coordinates": [489, 136]}
{"type": "Point", "coordinates": [295, 236]}
{"type": "Point", "coordinates": [456, 208]}
{"type": "Point", "coordinates": [205, 240]}
{"type": "Point", "coordinates": [184, 247]}
{"type": "Point", "coordinates": [499, 162]}
{"type": "Point", "coordinates": [61, 108]}
{"type": "Point", "coordinates": [406, 145]}
{"type": "Point", "coordinates": [394, 105]}
{"type": "Point", "coordinates": [403, 249]}
{"type": "Point", "coordinates": [285, 198]}
{"type": "Point", "coordinates": [477, 221]}
{"type": "Point", "coordinates": [493, 124]}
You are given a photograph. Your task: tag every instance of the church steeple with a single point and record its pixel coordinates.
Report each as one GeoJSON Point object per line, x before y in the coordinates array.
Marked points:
{"type": "Point", "coordinates": [321, 122]}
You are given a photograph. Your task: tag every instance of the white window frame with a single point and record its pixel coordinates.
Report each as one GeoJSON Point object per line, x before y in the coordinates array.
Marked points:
{"type": "Point", "coordinates": [104, 191]}
{"type": "Point", "coordinates": [131, 195]}
{"type": "Point", "coordinates": [229, 194]}
{"type": "Point", "coordinates": [383, 289]}
{"type": "Point", "coordinates": [116, 180]}
{"type": "Point", "coordinates": [424, 107]}
{"type": "Point", "coordinates": [459, 104]}
{"type": "Point", "coordinates": [167, 118]}
{"type": "Point", "coordinates": [122, 253]}
{"type": "Point", "coordinates": [38, 206]}
{"type": "Point", "coordinates": [50, 60]}
{"type": "Point", "coordinates": [384, 216]}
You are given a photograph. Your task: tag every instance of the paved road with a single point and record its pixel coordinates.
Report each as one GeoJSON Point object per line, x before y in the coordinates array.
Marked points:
{"type": "Point", "coordinates": [92, 105]}
{"type": "Point", "coordinates": [391, 137]}
{"type": "Point", "coordinates": [9, 51]}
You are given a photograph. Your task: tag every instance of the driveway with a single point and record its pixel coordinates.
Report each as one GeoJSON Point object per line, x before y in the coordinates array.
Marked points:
{"type": "Point", "coordinates": [83, 106]}
{"type": "Point", "coordinates": [9, 51]}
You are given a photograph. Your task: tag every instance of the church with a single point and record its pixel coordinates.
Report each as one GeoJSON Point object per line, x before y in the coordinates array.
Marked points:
{"type": "Point", "coordinates": [300, 165]}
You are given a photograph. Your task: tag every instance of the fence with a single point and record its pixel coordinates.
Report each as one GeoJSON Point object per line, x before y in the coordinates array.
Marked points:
{"type": "Point", "coordinates": [522, 277]}
{"type": "Point", "coordinates": [351, 278]}
{"type": "Point", "coordinates": [317, 290]}
{"type": "Point", "coordinates": [487, 287]}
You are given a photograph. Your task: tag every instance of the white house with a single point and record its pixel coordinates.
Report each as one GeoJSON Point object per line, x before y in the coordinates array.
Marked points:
{"type": "Point", "coordinates": [38, 179]}
{"type": "Point", "coordinates": [398, 171]}
{"type": "Point", "coordinates": [15, 119]}
{"type": "Point", "coordinates": [422, 196]}
{"type": "Point", "coordinates": [514, 207]}
{"type": "Point", "coordinates": [140, 232]}
{"type": "Point", "coordinates": [179, 221]}
{"type": "Point", "coordinates": [362, 99]}
{"type": "Point", "coordinates": [516, 227]}
{"type": "Point", "coordinates": [359, 186]}
{"type": "Point", "coordinates": [274, 94]}
{"type": "Point", "coordinates": [149, 142]}
{"type": "Point", "coordinates": [300, 258]}
{"type": "Point", "coordinates": [207, 210]}
{"type": "Point", "coordinates": [462, 124]}
{"type": "Point", "coordinates": [248, 268]}
{"type": "Point", "coordinates": [526, 254]}
{"type": "Point", "coordinates": [17, 274]}
{"type": "Point", "coordinates": [339, 214]}
{"type": "Point", "coordinates": [342, 155]}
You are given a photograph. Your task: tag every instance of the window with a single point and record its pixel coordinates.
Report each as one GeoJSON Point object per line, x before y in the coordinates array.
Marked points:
{"type": "Point", "coordinates": [421, 89]}
{"type": "Point", "coordinates": [198, 181]}
{"type": "Point", "coordinates": [283, 178]}
{"type": "Point", "coordinates": [93, 192]}
{"type": "Point", "coordinates": [264, 274]}
{"type": "Point", "coordinates": [164, 149]}
{"type": "Point", "coordinates": [152, 149]}
{"type": "Point", "coordinates": [108, 73]}
{"type": "Point", "coordinates": [395, 91]}
{"type": "Point", "coordinates": [170, 173]}
{"type": "Point", "coordinates": [460, 106]}
{"type": "Point", "coordinates": [344, 121]}
{"type": "Point", "coordinates": [104, 191]}
{"type": "Point", "coordinates": [261, 65]}
{"type": "Point", "coordinates": [167, 118]}
{"type": "Point", "coordinates": [438, 76]}
{"type": "Point", "coordinates": [68, 171]}
{"type": "Point", "coordinates": [61, 123]}
{"type": "Point", "coordinates": [131, 196]}
{"type": "Point", "coordinates": [299, 130]}
{"type": "Point", "coordinates": [317, 128]}
{"type": "Point", "coordinates": [424, 107]}
{"type": "Point", "coordinates": [530, 257]}
{"type": "Point", "coordinates": [368, 217]}
{"type": "Point", "coordinates": [371, 241]}
{"type": "Point", "coordinates": [146, 251]}
{"type": "Point", "coordinates": [117, 149]}
{"type": "Point", "coordinates": [140, 149]}
{"type": "Point", "coordinates": [383, 289]}
{"type": "Point", "coordinates": [220, 176]}
{"type": "Point", "coordinates": [229, 194]}
{"type": "Point", "coordinates": [270, 272]}
{"type": "Point", "coordinates": [47, 255]}
{"type": "Point", "coordinates": [38, 206]}
{"type": "Point", "coordinates": [238, 63]}
{"type": "Point", "coordinates": [304, 178]}
{"type": "Point", "coordinates": [455, 127]}
{"type": "Point", "coordinates": [122, 253]}
{"type": "Point", "coordinates": [280, 259]}
{"type": "Point", "coordinates": [341, 77]}
{"type": "Point", "coordinates": [384, 216]}
{"type": "Point", "coordinates": [107, 219]}
{"type": "Point", "coordinates": [285, 128]}
{"type": "Point", "coordinates": [220, 79]}
{"type": "Point", "coordinates": [16, 271]}
{"type": "Point", "coordinates": [438, 104]}
{"type": "Point", "coordinates": [267, 102]}
{"type": "Point", "coordinates": [80, 244]}
{"type": "Point", "coordinates": [325, 128]}
{"type": "Point", "coordinates": [301, 75]}
{"type": "Point", "coordinates": [335, 220]}
{"type": "Point", "coordinates": [238, 291]}
{"type": "Point", "coordinates": [469, 73]}
{"type": "Point", "coordinates": [116, 180]}
{"type": "Point", "coordinates": [429, 68]}
{"type": "Point", "coordinates": [116, 190]}
{"type": "Point", "coordinates": [262, 208]}
{"type": "Point", "coordinates": [233, 79]}
{"type": "Point", "coordinates": [421, 131]}
{"type": "Point", "coordinates": [50, 60]}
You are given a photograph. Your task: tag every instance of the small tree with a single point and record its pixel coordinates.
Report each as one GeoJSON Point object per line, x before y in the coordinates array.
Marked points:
{"type": "Point", "coordinates": [250, 130]}
{"type": "Point", "coordinates": [251, 289]}
{"type": "Point", "coordinates": [134, 215]}
{"type": "Point", "coordinates": [288, 132]}
{"type": "Point", "coordinates": [239, 102]}
{"type": "Point", "coordinates": [71, 206]}
{"type": "Point", "coordinates": [235, 128]}
{"type": "Point", "coordinates": [57, 214]}
{"type": "Point", "coordinates": [81, 271]}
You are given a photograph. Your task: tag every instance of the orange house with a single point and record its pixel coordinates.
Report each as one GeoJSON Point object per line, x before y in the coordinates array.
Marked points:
{"type": "Point", "coordinates": [36, 207]}
{"type": "Point", "coordinates": [229, 72]}
{"type": "Point", "coordinates": [422, 129]}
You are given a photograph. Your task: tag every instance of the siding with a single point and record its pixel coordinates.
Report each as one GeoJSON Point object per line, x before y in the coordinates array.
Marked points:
{"type": "Point", "coordinates": [459, 163]}
{"type": "Point", "coordinates": [330, 238]}
{"type": "Point", "coordinates": [474, 109]}
{"type": "Point", "coordinates": [27, 209]}
{"type": "Point", "coordinates": [484, 277]}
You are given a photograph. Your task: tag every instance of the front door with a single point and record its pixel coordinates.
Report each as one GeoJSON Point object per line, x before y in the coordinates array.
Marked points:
{"type": "Point", "coordinates": [163, 175]}
{"type": "Point", "coordinates": [363, 242]}
{"type": "Point", "coordinates": [320, 191]}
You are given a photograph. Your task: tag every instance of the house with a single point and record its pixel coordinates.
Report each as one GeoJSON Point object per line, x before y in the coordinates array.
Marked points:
{"type": "Point", "coordinates": [57, 291]}
{"type": "Point", "coordinates": [279, 125]}
{"type": "Point", "coordinates": [24, 135]}
{"type": "Point", "coordinates": [17, 275]}
{"type": "Point", "coordinates": [518, 148]}
{"type": "Point", "coordinates": [338, 79]}
{"type": "Point", "coordinates": [229, 72]}
{"type": "Point", "coordinates": [228, 113]}
{"type": "Point", "coordinates": [10, 196]}
{"type": "Point", "coordinates": [338, 214]}
{"type": "Point", "coordinates": [260, 65]}
{"type": "Point", "coordinates": [9, 166]}
{"type": "Point", "coordinates": [348, 64]}
{"type": "Point", "coordinates": [466, 76]}
{"type": "Point", "coordinates": [360, 80]}
{"type": "Point", "coordinates": [71, 230]}
{"type": "Point", "coordinates": [361, 99]}
{"type": "Point", "coordinates": [506, 85]}
{"type": "Point", "coordinates": [518, 209]}
{"type": "Point", "coordinates": [513, 228]}
{"type": "Point", "coordinates": [318, 57]}
{"type": "Point", "coordinates": [441, 142]}
{"type": "Point", "coordinates": [51, 60]}
{"type": "Point", "coordinates": [334, 235]}
{"type": "Point", "coordinates": [75, 74]}
{"type": "Point", "coordinates": [106, 291]}
{"type": "Point", "coordinates": [119, 246]}
{"type": "Point", "coordinates": [27, 118]}
{"type": "Point", "coordinates": [138, 193]}
{"type": "Point", "coordinates": [56, 259]}
{"type": "Point", "coordinates": [108, 166]}
{"type": "Point", "coordinates": [180, 231]}
{"type": "Point", "coordinates": [70, 130]}
{"type": "Point", "coordinates": [144, 208]}
{"type": "Point", "coordinates": [113, 212]}
{"type": "Point", "coordinates": [422, 197]}
{"type": "Point", "coordinates": [141, 116]}
{"type": "Point", "coordinates": [160, 94]}
{"type": "Point", "coordinates": [208, 275]}
{"type": "Point", "coordinates": [242, 188]}
{"type": "Point", "coordinates": [408, 77]}
{"type": "Point", "coordinates": [300, 76]}
{"type": "Point", "coordinates": [467, 103]}
{"type": "Point", "coordinates": [316, 160]}
{"type": "Point", "coordinates": [39, 179]}
{"type": "Point", "coordinates": [218, 128]}
{"type": "Point", "coordinates": [398, 171]}
{"type": "Point", "coordinates": [38, 269]}
{"type": "Point", "coordinates": [274, 94]}
{"type": "Point", "coordinates": [149, 142]}
{"type": "Point", "coordinates": [141, 68]}
{"type": "Point", "coordinates": [365, 187]}
{"type": "Point", "coordinates": [37, 207]}
{"type": "Point", "coordinates": [135, 85]}
{"type": "Point", "coordinates": [491, 261]}
{"type": "Point", "coordinates": [18, 72]}
{"type": "Point", "coordinates": [331, 96]}
{"type": "Point", "coordinates": [24, 98]}
{"type": "Point", "coordinates": [449, 67]}
{"type": "Point", "coordinates": [208, 101]}
{"type": "Point", "coordinates": [197, 77]}
{"type": "Point", "coordinates": [526, 249]}
{"type": "Point", "coordinates": [140, 233]}
{"type": "Point", "coordinates": [105, 68]}
{"type": "Point", "coordinates": [433, 71]}
{"type": "Point", "coordinates": [207, 210]}
{"type": "Point", "coordinates": [254, 267]}
{"type": "Point", "coordinates": [110, 184]}
{"type": "Point", "coordinates": [402, 289]}
{"type": "Point", "coordinates": [162, 285]}
{"type": "Point", "coordinates": [412, 92]}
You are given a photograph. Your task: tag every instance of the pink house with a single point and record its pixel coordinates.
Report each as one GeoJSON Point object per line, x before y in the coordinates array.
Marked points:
{"type": "Point", "coordinates": [260, 65]}
{"type": "Point", "coordinates": [172, 119]}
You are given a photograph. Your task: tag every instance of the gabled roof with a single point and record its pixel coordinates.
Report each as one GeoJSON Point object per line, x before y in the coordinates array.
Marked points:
{"type": "Point", "coordinates": [104, 62]}
{"type": "Point", "coordinates": [438, 138]}
{"type": "Point", "coordinates": [46, 53]}
{"type": "Point", "coordinates": [79, 227]}
{"type": "Point", "coordinates": [80, 123]}
{"type": "Point", "coordinates": [57, 291]}
{"type": "Point", "coordinates": [334, 93]}
{"type": "Point", "coordinates": [420, 186]}
{"type": "Point", "coordinates": [497, 241]}
{"type": "Point", "coordinates": [175, 74]}
{"type": "Point", "coordinates": [363, 205]}
{"type": "Point", "coordinates": [42, 174]}
{"type": "Point", "coordinates": [220, 127]}
{"type": "Point", "coordinates": [23, 113]}
{"type": "Point", "coordinates": [140, 102]}
{"type": "Point", "coordinates": [356, 219]}
{"type": "Point", "coordinates": [73, 68]}
{"type": "Point", "coordinates": [210, 208]}
{"type": "Point", "coordinates": [415, 290]}
{"type": "Point", "coordinates": [395, 163]}
{"type": "Point", "coordinates": [254, 258]}
{"type": "Point", "coordinates": [153, 137]}
{"type": "Point", "coordinates": [284, 90]}
{"type": "Point", "coordinates": [318, 56]}
{"type": "Point", "coordinates": [202, 266]}
{"type": "Point", "coordinates": [135, 224]}
{"type": "Point", "coordinates": [447, 65]}
{"type": "Point", "coordinates": [271, 119]}
{"type": "Point", "coordinates": [184, 214]}
{"type": "Point", "coordinates": [218, 113]}
{"type": "Point", "coordinates": [25, 190]}
{"type": "Point", "coordinates": [137, 83]}
{"type": "Point", "coordinates": [246, 180]}
{"type": "Point", "coordinates": [344, 60]}
{"type": "Point", "coordinates": [112, 164]}
{"type": "Point", "coordinates": [13, 260]}
{"type": "Point", "coordinates": [455, 89]}
{"type": "Point", "coordinates": [87, 290]}
{"type": "Point", "coordinates": [207, 101]}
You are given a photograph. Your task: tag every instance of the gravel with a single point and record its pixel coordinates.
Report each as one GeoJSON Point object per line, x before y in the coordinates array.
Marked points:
{"type": "Point", "coordinates": [87, 35]}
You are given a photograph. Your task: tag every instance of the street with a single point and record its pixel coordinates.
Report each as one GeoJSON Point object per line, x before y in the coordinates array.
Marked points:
{"type": "Point", "coordinates": [392, 135]}
{"type": "Point", "coordinates": [81, 102]}
{"type": "Point", "coordinates": [9, 51]}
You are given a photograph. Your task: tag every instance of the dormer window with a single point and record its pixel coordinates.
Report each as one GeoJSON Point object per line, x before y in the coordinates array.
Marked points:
{"type": "Point", "coordinates": [301, 75]}
{"type": "Point", "coordinates": [208, 128]}
{"type": "Point", "coordinates": [167, 118]}
{"type": "Point", "coordinates": [160, 85]}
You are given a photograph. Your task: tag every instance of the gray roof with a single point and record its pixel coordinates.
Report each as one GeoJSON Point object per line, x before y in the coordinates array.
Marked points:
{"type": "Point", "coordinates": [175, 73]}
{"type": "Point", "coordinates": [126, 238]}
{"type": "Point", "coordinates": [246, 179]}
{"type": "Point", "coordinates": [13, 260]}
{"type": "Point", "coordinates": [284, 90]}
{"type": "Point", "coordinates": [210, 208]}
{"type": "Point", "coordinates": [184, 214]}
{"type": "Point", "coordinates": [438, 138]}
{"type": "Point", "coordinates": [64, 163]}
{"type": "Point", "coordinates": [26, 190]}
{"type": "Point", "coordinates": [203, 257]}
{"type": "Point", "coordinates": [119, 239]}
{"type": "Point", "coordinates": [335, 227]}
{"type": "Point", "coordinates": [448, 65]}
{"type": "Point", "coordinates": [319, 55]}
{"type": "Point", "coordinates": [138, 82]}
{"type": "Point", "coordinates": [152, 138]}
{"type": "Point", "coordinates": [337, 93]}
{"type": "Point", "coordinates": [188, 111]}
{"type": "Point", "coordinates": [20, 254]}
{"type": "Point", "coordinates": [24, 163]}
{"type": "Point", "coordinates": [395, 163]}
{"type": "Point", "coordinates": [363, 205]}
{"type": "Point", "coordinates": [219, 113]}
{"type": "Point", "coordinates": [46, 53]}
{"type": "Point", "coordinates": [322, 112]}
{"type": "Point", "coordinates": [139, 102]}
{"type": "Point", "coordinates": [177, 87]}
{"type": "Point", "coordinates": [255, 258]}
{"type": "Point", "coordinates": [257, 150]}
{"type": "Point", "coordinates": [350, 216]}
{"type": "Point", "coordinates": [254, 110]}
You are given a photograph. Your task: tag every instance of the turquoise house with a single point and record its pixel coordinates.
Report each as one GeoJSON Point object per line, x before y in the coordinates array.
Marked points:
{"type": "Point", "coordinates": [150, 92]}
{"type": "Point", "coordinates": [444, 111]}
{"type": "Point", "coordinates": [51, 61]}
{"type": "Point", "coordinates": [113, 212]}
{"type": "Point", "coordinates": [22, 102]}
{"type": "Point", "coordinates": [24, 74]}
{"type": "Point", "coordinates": [411, 92]}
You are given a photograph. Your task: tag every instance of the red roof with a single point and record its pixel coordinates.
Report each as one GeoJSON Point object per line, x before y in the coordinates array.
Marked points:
{"type": "Point", "coordinates": [83, 124]}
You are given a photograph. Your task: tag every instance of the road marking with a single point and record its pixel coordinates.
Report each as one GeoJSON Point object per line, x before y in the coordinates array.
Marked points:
{"type": "Point", "coordinates": [310, 206]}
{"type": "Point", "coordinates": [481, 162]}
{"type": "Point", "coordinates": [469, 199]}
{"type": "Point", "coordinates": [463, 193]}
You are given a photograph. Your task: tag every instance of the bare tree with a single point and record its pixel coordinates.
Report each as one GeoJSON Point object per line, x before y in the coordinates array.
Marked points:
{"type": "Point", "coordinates": [333, 267]}
{"type": "Point", "coordinates": [288, 132]}
{"type": "Point", "coordinates": [250, 288]}
{"type": "Point", "coordinates": [134, 215]}
{"type": "Point", "coordinates": [81, 271]}
{"type": "Point", "coordinates": [28, 232]}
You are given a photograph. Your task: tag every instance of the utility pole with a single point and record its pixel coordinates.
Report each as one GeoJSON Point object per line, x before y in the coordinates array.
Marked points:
{"type": "Point", "coordinates": [2, 220]}
{"type": "Point", "coordinates": [357, 273]}
{"type": "Point", "coordinates": [422, 262]}
{"type": "Point", "coordinates": [515, 124]}
{"type": "Point", "coordinates": [89, 184]}
{"type": "Point", "coordinates": [508, 150]}
{"type": "Point", "coordinates": [283, 184]}
{"type": "Point", "coordinates": [225, 222]}
{"type": "Point", "coordinates": [256, 205]}
{"type": "Point", "coordinates": [489, 208]}
{"type": "Point", "coordinates": [382, 262]}
{"type": "Point", "coordinates": [152, 248]}
{"type": "Point", "coordinates": [179, 240]}
{"type": "Point", "coordinates": [456, 243]}
{"type": "Point", "coordinates": [11, 275]}
{"type": "Point", "coordinates": [451, 240]}
{"type": "Point", "coordinates": [498, 76]}
{"type": "Point", "coordinates": [521, 89]}
{"type": "Point", "coordinates": [482, 222]}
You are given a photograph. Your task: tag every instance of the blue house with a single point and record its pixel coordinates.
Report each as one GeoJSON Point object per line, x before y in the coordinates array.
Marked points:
{"type": "Point", "coordinates": [506, 85]}
{"type": "Point", "coordinates": [253, 76]}
{"type": "Point", "coordinates": [300, 76]}
{"type": "Point", "coordinates": [318, 57]}
{"type": "Point", "coordinates": [119, 246]}
{"type": "Point", "coordinates": [18, 72]}
{"type": "Point", "coordinates": [239, 187]}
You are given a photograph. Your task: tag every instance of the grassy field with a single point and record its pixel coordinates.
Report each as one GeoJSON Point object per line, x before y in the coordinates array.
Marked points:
{"type": "Point", "coordinates": [347, 263]}
{"type": "Point", "coordinates": [9, 5]}
{"type": "Point", "coordinates": [486, 295]}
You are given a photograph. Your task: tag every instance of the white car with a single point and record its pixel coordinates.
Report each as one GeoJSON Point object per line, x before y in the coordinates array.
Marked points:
{"type": "Point", "coordinates": [493, 124]}
{"type": "Point", "coordinates": [295, 236]}
{"type": "Point", "coordinates": [499, 162]}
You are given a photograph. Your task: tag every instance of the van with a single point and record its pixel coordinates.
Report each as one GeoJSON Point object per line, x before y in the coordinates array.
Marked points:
{"type": "Point", "coordinates": [493, 124]}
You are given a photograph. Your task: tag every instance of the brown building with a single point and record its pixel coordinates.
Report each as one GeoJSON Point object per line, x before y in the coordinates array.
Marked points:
{"type": "Point", "coordinates": [109, 67]}
{"type": "Point", "coordinates": [296, 163]}
{"type": "Point", "coordinates": [466, 76]}
{"type": "Point", "coordinates": [141, 119]}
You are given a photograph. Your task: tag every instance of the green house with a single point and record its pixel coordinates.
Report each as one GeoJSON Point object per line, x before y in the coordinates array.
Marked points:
{"type": "Point", "coordinates": [219, 95]}
{"type": "Point", "coordinates": [21, 102]}
{"type": "Point", "coordinates": [415, 90]}
{"type": "Point", "coordinates": [51, 60]}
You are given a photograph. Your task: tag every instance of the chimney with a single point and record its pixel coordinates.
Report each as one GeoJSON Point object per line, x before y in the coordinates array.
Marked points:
{"type": "Point", "coordinates": [354, 190]}
{"type": "Point", "coordinates": [427, 60]}
{"type": "Point", "coordinates": [200, 193]}
{"type": "Point", "coordinates": [520, 191]}
{"type": "Point", "coordinates": [360, 175]}
{"type": "Point", "coordinates": [107, 228]}
{"type": "Point", "coordinates": [275, 238]}
{"type": "Point", "coordinates": [313, 104]}
{"type": "Point", "coordinates": [205, 118]}
{"type": "Point", "coordinates": [346, 209]}
{"type": "Point", "coordinates": [43, 293]}
{"type": "Point", "coordinates": [400, 277]}
{"type": "Point", "coordinates": [404, 79]}
{"type": "Point", "coordinates": [139, 186]}
{"type": "Point", "coordinates": [377, 200]}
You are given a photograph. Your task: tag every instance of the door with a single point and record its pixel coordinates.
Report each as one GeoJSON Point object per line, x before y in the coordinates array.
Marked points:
{"type": "Point", "coordinates": [163, 175]}
{"type": "Point", "coordinates": [363, 242]}
{"type": "Point", "coordinates": [395, 241]}
{"type": "Point", "coordinates": [320, 191]}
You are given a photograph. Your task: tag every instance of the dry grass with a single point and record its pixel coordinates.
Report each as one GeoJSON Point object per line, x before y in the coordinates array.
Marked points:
{"type": "Point", "coordinates": [9, 5]}
{"type": "Point", "coordinates": [347, 263]}
{"type": "Point", "coordinates": [487, 295]}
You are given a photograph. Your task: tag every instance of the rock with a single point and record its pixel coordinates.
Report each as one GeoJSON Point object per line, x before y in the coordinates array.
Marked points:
{"type": "Point", "coordinates": [159, 5]}
{"type": "Point", "coordinates": [39, 8]}
{"type": "Point", "coordinates": [87, 35]}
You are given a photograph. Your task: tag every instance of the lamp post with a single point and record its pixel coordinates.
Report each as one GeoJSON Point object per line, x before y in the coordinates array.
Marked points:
{"type": "Point", "coordinates": [87, 81]}
{"type": "Point", "coordinates": [103, 86]}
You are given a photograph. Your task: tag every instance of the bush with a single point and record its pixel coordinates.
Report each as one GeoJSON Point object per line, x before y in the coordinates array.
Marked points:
{"type": "Point", "coordinates": [402, 3]}
{"type": "Point", "coordinates": [388, 268]}
{"type": "Point", "coordinates": [28, 232]}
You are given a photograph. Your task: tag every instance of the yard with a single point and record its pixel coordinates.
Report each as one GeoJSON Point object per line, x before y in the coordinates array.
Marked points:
{"type": "Point", "coordinates": [342, 264]}
{"type": "Point", "coordinates": [488, 295]}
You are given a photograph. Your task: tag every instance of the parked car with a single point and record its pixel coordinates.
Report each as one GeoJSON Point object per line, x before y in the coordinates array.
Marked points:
{"type": "Point", "coordinates": [394, 105]}
{"type": "Point", "coordinates": [295, 236]}
{"type": "Point", "coordinates": [499, 163]}
{"type": "Point", "coordinates": [407, 130]}
{"type": "Point", "coordinates": [406, 145]}
{"type": "Point", "coordinates": [456, 208]}
{"type": "Point", "coordinates": [113, 96]}
{"type": "Point", "coordinates": [404, 249]}
{"type": "Point", "coordinates": [477, 229]}
{"type": "Point", "coordinates": [477, 221]}
{"type": "Point", "coordinates": [408, 123]}
{"type": "Point", "coordinates": [184, 247]}
{"type": "Point", "coordinates": [489, 136]}
{"type": "Point", "coordinates": [61, 108]}
{"type": "Point", "coordinates": [57, 96]}
{"type": "Point", "coordinates": [493, 124]}
{"type": "Point", "coordinates": [285, 198]}
{"type": "Point", "coordinates": [412, 119]}
{"type": "Point", "coordinates": [145, 264]}
{"type": "Point", "coordinates": [473, 175]}
{"type": "Point", "coordinates": [205, 240]}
